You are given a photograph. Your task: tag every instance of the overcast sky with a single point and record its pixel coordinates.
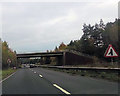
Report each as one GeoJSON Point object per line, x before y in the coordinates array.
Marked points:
{"type": "Point", "coordinates": [37, 26]}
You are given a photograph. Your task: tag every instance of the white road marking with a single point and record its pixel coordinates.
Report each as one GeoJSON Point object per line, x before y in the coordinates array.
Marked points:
{"type": "Point", "coordinates": [31, 69]}
{"type": "Point", "coordinates": [7, 77]}
{"type": "Point", "coordinates": [41, 76]}
{"type": "Point", "coordinates": [61, 89]}
{"type": "Point", "coordinates": [34, 72]}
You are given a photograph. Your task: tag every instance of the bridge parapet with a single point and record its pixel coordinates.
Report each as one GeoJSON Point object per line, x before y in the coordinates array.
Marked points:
{"type": "Point", "coordinates": [42, 54]}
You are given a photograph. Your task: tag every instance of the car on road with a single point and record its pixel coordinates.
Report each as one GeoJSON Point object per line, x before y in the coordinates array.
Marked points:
{"type": "Point", "coordinates": [32, 66]}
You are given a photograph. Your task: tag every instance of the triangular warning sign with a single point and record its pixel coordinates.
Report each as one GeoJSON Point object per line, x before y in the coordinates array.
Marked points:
{"type": "Point", "coordinates": [110, 52]}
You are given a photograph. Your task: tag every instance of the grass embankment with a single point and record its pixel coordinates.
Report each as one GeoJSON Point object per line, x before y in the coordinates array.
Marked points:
{"type": "Point", "coordinates": [105, 65]}
{"type": "Point", "coordinates": [110, 76]}
{"type": "Point", "coordinates": [7, 72]}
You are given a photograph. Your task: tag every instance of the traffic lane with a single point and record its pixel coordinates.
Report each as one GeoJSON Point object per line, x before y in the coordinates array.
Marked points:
{"type": "Point", "coordinates": [78, 84]}
{"type": "Point", "coordinates": [25, 81]}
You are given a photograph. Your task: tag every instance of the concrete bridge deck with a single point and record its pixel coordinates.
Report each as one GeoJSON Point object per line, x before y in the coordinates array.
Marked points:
{"type": "Point", "coordinates": [63, 57]}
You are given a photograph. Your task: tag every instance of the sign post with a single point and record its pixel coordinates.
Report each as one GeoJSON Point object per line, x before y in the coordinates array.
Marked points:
{"type": "Point", "coordinates": [110, 52]}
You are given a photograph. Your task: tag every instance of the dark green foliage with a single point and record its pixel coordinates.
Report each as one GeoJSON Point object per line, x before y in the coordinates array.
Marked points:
{"type": "Point", "coordinates": [96, 38]}
{"type": "Point", "coordinates": [56, 49]}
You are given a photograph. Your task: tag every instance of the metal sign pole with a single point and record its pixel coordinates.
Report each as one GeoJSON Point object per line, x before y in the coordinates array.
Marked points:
{"type": "Point", "coordinates": [112, 61]}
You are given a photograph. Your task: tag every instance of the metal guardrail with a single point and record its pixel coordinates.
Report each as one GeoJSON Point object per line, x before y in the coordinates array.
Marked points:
{"type": "Point", "coordinates": [84, 68]}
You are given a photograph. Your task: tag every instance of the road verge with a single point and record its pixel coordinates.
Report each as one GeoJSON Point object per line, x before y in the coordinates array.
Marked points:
{"type": "Point", "coordinates": [7, 72]}
{"type": "Point", "coordinates": [110, 74]}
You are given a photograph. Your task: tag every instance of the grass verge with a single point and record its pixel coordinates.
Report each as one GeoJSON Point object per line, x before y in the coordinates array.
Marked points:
{"type": "Point", "coordinates": [7, 72]}
{"type": "Point", "coordinates": [110, 76]}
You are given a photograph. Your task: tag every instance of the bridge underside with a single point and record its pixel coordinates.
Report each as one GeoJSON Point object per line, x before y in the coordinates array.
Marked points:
{"type": "Point", "coordinates": [58, 55]}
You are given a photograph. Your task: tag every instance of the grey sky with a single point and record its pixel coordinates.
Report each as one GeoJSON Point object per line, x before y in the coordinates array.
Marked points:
{"type": "Point", "coordinates": [37, 26]}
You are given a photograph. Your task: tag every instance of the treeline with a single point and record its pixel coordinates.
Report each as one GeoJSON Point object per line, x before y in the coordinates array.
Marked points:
{"type": "Point", "coordinates": [96, 38]}
{"type": "Point", "coordinates": [8, 56]}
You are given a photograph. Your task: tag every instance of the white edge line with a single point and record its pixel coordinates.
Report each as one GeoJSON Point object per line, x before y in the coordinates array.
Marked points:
{"type": "Point", "coordinates": [61, 89]}
{"type": "Point", "coordinates": [7, 77]}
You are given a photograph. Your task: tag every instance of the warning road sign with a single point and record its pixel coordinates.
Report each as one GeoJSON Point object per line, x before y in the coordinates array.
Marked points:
{"type": "Point", "coordinates": [110, 52]}
{"type": "Point", "coordinates": [8, 61]}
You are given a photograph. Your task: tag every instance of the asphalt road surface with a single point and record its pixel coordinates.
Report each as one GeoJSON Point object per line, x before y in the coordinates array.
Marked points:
{"type": "Point", "coordinates": [44, 81]}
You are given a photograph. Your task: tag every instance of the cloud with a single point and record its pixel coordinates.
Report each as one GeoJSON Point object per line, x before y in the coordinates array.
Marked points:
{"type": "Point", "coordinates": [42, 26]}
{"type": "Point", "coordinates": [70, 17]}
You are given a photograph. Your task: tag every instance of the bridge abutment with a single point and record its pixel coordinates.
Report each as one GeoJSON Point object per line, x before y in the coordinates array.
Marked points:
{"type": "Point", "coordinates": [59, 60]}
{"type": "Point", "coordinates": [74, 59]}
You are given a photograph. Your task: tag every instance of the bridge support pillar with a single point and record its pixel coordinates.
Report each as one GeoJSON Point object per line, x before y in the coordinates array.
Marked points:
{"type": "Point", "coordinates": [18, 62]}
{"type": "Point", "coordinates": [59, 60]}
{"type": "Point", "coordinates": [64, 57]}
{"type": "Point", "coordinates": [41, 61]}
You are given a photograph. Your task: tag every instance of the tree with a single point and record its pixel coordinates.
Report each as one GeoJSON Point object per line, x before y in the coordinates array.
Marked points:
{"type": "Point", "coordinates": [62, 46]}
{"type": "Point", "coordinates": [96, 38]}
{"type": "Point", "coordinates": [7, 53]}
{"type": "Point", "coordinates": [56, 49]}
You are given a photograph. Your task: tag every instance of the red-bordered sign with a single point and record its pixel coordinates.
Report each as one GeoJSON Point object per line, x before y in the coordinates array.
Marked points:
{"type": "Point", "coordinates": [9, 61]}
{"type": "Point", "coordinates": [110, 52]}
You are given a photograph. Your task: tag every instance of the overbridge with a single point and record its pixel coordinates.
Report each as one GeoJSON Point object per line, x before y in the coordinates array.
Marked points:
{"type": "Point", "coordinates": [59, 55]}
{"type": "Point", "coordinates": [63, 57]}
{"type": "Point", "coordinates": [42, 54]}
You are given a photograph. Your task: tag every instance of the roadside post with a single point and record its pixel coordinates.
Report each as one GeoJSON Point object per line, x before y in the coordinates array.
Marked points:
{"type": "Point", "coordinates": [111, 52]}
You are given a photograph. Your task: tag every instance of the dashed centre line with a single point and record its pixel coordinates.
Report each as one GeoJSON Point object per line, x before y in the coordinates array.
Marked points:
{"type": "Point", "coordinates": [66, 92]}
{"type": "Point", "coordinates": [55, 85]}
{"type": "Point", "coordinates": [41, 76]}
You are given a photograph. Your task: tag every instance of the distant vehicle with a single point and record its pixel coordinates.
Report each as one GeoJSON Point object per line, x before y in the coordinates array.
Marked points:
{"type": "Point", "coordinates": [32, 66]}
